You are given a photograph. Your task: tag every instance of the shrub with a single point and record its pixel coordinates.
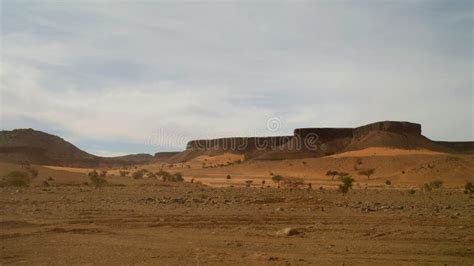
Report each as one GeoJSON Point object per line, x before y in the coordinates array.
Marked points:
{"type": "Point", "coordinates": [96, 179]}
{"type": "Point", "coordinates": [45, 184]}
{"type": "Point", "coordinates": [228, 177]}
{"type": "Point", "coordinates": [33, 172]}
{"type": "Point", "coordinates": [178, 177]}
{"type": "Point", "coordinates": [388, 182]}
{"type": "Point", "coordinates": [436, 184]}
{"type": "Point", "coordinates": [346, 184]}
{"type": "Point", "coordinates": [469, 188]}
{"type": "Point", "coordinates": [248, 182]}
{"type": "Point", "coordinates": [124, 173]}
{"type": "Point", "coordinates": [103, 173]}
{"type": "Point", "coordinates": [139, 174]}
{"type": "Point", "coordinates": [16, 179]}
{"type": "Point", "coordinates": [411, 191]}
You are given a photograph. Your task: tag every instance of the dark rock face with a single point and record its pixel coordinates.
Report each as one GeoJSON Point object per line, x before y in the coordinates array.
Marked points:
{"type": "Point", "coordinates": [317, 142]}
{"type": "Point", "coordinates": [238, 144]}
{"type": "Point", "coordinates": [300, 134]}
{"type": "Point", "coordinates": [324, 133]}
{"type": "Point", "coordinates": [390, 126]}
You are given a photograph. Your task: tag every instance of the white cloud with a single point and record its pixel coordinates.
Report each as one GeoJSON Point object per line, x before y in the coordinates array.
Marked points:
{"type": "Point", "coordinates": [108, 71]}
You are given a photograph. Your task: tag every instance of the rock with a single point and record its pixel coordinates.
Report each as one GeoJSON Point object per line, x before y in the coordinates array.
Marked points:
{"type": "Point", "coordinates": [288, 232]}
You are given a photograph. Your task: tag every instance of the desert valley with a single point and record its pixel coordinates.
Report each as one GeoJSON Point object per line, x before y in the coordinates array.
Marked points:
{"type": "Point", "coordinates": [373, 194]}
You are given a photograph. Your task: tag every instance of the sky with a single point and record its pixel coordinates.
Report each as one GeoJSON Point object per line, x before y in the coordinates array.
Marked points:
{"type": "Point", "coordinates": [119, 77]}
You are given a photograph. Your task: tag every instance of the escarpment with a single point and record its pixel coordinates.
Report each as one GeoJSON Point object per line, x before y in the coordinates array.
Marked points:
{"type": "Point", "coordinates": [317, 142]}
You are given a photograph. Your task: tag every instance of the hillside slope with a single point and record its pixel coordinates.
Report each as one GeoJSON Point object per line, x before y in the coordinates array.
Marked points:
{"type": "Point", "coordinates": [28, 145]}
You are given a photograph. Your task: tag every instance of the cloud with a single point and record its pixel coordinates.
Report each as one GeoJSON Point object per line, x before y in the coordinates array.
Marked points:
{"type": "Point", "coordinates": [103, 71]}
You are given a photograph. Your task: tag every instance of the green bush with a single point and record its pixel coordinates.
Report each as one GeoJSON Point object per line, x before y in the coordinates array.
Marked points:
{"type": "Point", "coordinates": [16, 179]}
{"type": "Point", "coordinates": [346, 184]}
{"type": "Point", "coordinates": [97, 180]}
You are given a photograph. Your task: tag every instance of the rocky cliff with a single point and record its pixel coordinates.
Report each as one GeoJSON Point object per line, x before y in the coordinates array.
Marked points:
{"type": "Point", "coordinates": [317, 142]}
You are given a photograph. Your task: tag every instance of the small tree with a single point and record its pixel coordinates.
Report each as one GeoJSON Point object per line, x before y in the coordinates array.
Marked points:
{"type": "Point", "coordinates": [248, 183]}
{"type": "Point", "coordinates": [346, 184]}
{"type": "Point", "coordinates": [367, 172]}
{"type": "Point", "coordinates": [263, 183]}
{"type": "Point", "coordinates": [277, 179]}
{"type": "Point", "coordinates": [96, 179]}
{"type": "Point", "coordinates": [228, 177]}
{"type": "Point", "coordinates": [331, 173]}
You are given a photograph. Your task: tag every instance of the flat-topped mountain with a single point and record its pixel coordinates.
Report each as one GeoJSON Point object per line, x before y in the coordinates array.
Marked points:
{"type": "Point", "coordinates": [318, 142]}
{"type": "Point", "coordinates": [28, 145]}
{"type": "Point", "coordinates": [42, 148]}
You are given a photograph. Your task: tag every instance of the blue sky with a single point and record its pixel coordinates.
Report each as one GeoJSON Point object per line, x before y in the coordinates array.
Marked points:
{"type": "Point", "coordinates": [128, 77]}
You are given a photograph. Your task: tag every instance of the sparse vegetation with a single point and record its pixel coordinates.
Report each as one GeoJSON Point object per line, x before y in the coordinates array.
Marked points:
{"type": "Point", "coordinates": [139, 174]}
{"type": "Point", "coordinates": [16, 179]}
{"type": "Point", "coordinates": [293, 182]}
{"type": "Point", "coordinates": [411, 191]}
{"type": "Point", "coordinates": [388, 182]}
{"type": "Point", "coordinates": [346, 184]}
{"type": "Point", "coordinates": [97, 180]}
{"type": "Point", "coordinates": [469, 188]}
{"type": "Point", "coordinates": [367, 172]}
{"type": "Point", "coordinates": [277, 179]}
{"type": "Point", "coordinates": [331, 173]}
{"type": "Point", "coordinates": [248, 183]}
{"type": "Point", "coordinates": [436, 184]}
{"type": "Point", "coordinates": [32, 171]}
{"type": "Point", "coordinates": [124, 173]}
{"type": "Point", "coordinates": [228, 177]}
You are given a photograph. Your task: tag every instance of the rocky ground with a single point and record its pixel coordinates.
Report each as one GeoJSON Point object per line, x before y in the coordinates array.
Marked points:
{"type": "Point", "coordinates": [182, 223]}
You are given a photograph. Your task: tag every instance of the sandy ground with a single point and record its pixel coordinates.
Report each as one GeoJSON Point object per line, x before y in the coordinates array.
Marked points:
{"type": "Point", "coordinates": [148, 221]}
{"type": "Point", "coordinates": [152, 222]}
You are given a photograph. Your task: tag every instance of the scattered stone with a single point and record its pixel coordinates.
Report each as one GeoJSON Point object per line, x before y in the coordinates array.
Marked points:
{"type": "Point", "coordinates": [288, 232]}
